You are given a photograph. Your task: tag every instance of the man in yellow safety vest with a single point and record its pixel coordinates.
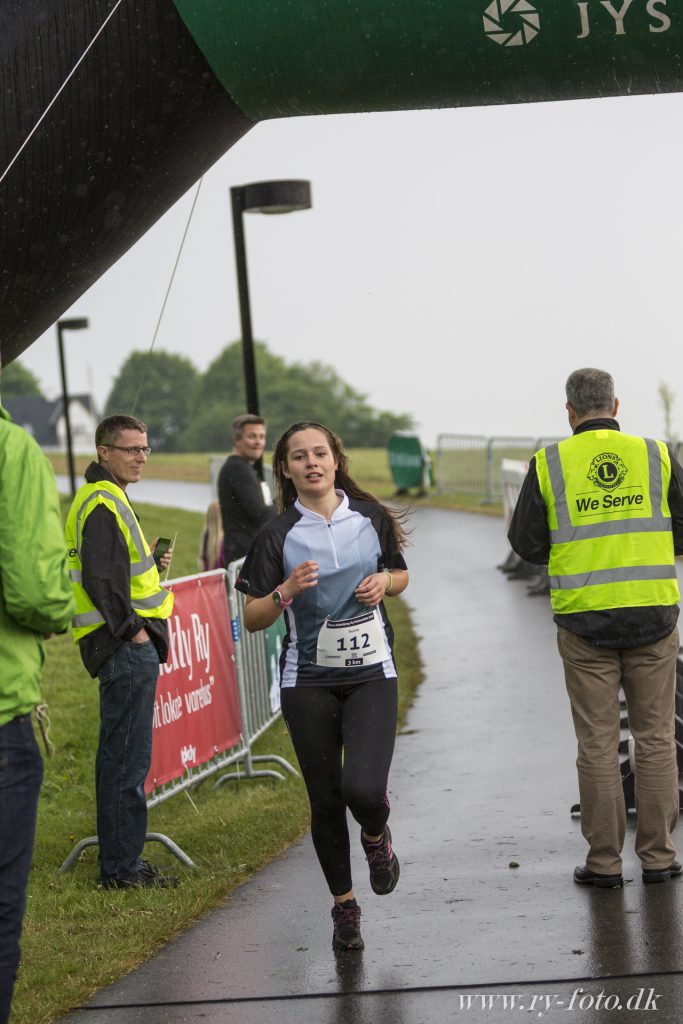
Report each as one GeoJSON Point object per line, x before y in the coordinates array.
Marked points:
{"type": "Point", "coordinates": [604, 510]}
{"type": "Point", "coordinates": [121, 629]}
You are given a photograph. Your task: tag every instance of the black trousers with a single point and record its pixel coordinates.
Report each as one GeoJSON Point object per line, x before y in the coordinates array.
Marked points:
{"type": "Point", "coordinates": [344, 739]}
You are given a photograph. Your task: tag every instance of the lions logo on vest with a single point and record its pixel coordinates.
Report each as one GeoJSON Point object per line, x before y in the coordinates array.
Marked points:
{"type": "Point", "coordinates": [607, 471]}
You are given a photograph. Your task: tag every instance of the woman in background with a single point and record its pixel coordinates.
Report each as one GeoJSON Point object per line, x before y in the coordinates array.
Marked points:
{"type": "Point", "coordinates": [210, 554]}
{"type": "Point", "coordinates": [328, 560]}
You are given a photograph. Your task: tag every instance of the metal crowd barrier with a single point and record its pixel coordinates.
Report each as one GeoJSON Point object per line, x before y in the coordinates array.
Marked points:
{"type": "Point", "coordinates": [679, 711]}
{"type": "Point", "coordinates": [256, 669]}
{"type": "Point", "coordinates": [256, 661]}
{"type": "Point", "coordinates": [461, 464]}
{"type": "Point", "coordinates": [471, 463]}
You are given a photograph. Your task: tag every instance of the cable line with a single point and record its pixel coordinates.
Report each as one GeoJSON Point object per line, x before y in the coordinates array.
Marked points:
{"type": "Point", "coordinates": [168, 292]}
{"type": "Point", "coordinates": [59, 91]}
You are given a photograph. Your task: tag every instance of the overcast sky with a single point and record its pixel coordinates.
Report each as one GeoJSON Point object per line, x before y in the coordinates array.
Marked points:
{"type": "Point", "coordinates": [456, 265]}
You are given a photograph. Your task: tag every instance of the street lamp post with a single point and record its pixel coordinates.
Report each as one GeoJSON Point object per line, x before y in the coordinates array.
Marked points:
{"type": "Point", "coordinates": [262, 197]}
{"type": "Point", "coordinates": [75, 324]}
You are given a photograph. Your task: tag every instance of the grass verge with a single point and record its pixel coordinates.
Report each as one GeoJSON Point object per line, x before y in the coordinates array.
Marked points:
{"type": "Point", "coordinates": [77, 937]}
{"type": "Point", "coordinates": [370, 466]}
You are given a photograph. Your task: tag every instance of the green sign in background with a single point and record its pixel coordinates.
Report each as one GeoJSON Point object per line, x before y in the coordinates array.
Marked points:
{"type": "Point", "coordinates": [280, 58]}
{"type": "Point", "coordinates": [273, 636]}
{"type": "Point", "coordinates": [407, 460]}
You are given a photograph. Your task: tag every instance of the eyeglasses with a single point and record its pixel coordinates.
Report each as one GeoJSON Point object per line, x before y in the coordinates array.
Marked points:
{"type": "Point", "coordinates": [134, 450]}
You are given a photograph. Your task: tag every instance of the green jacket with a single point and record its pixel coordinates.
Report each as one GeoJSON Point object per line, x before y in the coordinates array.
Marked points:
{"type": "Point", "coordinates": [35, 592]}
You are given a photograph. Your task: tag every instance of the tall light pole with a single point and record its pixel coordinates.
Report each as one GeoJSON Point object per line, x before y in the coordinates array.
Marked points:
{"type": "Point", "coordinates": [261, 197]}
{"type": "Point", "coordinates": [75, 324]}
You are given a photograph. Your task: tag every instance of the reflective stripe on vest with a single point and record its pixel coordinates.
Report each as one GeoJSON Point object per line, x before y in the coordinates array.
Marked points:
{"type": "Point", "coordinates": [148, 598]}
{"type": "Point", "coordinates": [127, 515]}
{"type": "Point", "coordinates": [631, 573]}
{"type": "Point", "coordinates": [141, 605]}
{"type": "Point", "coordinates": [566, 531]}
{"type": "Point", "coordinates": [618, 552]}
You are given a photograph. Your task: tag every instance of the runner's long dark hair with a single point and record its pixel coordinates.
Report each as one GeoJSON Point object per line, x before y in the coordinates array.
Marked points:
{"type": "Point", "coordinates": [286, 491]}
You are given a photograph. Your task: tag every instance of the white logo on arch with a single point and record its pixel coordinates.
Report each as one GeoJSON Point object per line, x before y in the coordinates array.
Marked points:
{"type": "Point", "coordinates": [527, 19]}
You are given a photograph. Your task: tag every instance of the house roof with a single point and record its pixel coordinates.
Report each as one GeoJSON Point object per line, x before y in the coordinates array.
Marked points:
{"type": "Point", "coordinates": [85, 400]}
{"type": "Point", "coordinates": [33, 413]}
{"type": "Point", "coordinates": [39, 416]}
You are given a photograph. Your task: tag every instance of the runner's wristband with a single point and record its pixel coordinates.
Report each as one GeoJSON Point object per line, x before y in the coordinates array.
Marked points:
{"type": "Point", "coordinates": [391, 581]}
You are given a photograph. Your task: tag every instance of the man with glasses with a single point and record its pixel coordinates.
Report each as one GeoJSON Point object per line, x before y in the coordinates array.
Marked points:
{"type": "Point", "coordinates": [121, 630]}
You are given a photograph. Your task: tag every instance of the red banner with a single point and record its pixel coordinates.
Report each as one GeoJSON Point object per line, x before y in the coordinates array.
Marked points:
{"type": "Point", "coordinates": [196, 711]}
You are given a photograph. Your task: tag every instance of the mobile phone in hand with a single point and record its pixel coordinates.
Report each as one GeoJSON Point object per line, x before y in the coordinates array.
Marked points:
{"type": "Point", "coordinates": [163, 544]}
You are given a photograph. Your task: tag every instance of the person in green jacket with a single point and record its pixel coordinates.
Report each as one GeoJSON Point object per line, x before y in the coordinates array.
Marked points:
{"type": "Point", "coordinates": [35, 600]}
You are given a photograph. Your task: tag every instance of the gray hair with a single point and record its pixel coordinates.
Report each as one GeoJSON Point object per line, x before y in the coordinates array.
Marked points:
{"type": "Point", "coordinates": [590, 391]}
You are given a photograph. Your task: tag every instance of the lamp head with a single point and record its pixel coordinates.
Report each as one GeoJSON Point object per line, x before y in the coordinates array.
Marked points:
{"type": "Point", "coordinates": [74, 324]}
{"type": "Point", "coordinates": [275, 196]}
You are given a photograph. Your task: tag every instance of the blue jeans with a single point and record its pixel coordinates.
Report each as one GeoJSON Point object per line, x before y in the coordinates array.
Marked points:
{"type": "Point", "coordinates": [128, 682]}
{"type": "Point", "coordinates": [21, 773]}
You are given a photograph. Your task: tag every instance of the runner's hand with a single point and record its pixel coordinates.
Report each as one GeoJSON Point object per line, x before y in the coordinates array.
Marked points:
{"type": "Point", "coordinates": [371, 590]}
{"type": "Point", "coordinates": [301, 578]}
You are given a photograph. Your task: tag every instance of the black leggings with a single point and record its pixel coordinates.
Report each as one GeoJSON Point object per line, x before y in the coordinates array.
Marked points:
{"type": "Point", "coordinates": [344, 739]}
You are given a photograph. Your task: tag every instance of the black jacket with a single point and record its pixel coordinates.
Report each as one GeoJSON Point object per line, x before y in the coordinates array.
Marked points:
{"type": "Point", "coordinates": [243, 507]}
{"type": "Point", "coordinates": [616, 627]}
{"type": "Point", "coordinates": [106, 578]}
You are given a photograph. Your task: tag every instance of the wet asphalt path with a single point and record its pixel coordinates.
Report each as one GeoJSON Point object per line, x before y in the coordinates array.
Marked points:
{"type": "Point", "coordinates": [486, 923]}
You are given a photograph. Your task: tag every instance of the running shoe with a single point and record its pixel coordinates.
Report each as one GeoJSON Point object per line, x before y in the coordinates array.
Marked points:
{"type": "Point", "coordinates": [383, 863]}
{"type": "Point", "coordinates": [346, 920]}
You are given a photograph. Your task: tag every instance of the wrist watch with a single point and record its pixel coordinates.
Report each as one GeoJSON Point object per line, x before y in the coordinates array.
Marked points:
{"type": "Point", "coordinates": [280, 599]}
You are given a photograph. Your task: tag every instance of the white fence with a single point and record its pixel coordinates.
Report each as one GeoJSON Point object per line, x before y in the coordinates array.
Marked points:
{"type": "Point", "coordinates": [471, 463]}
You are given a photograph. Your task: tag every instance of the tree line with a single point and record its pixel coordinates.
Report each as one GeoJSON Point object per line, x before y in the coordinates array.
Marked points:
{"type": "Point", "coordinates": [186, 410]}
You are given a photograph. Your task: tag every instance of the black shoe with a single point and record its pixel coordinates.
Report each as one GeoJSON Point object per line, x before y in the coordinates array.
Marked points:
{"type": "Point", "coordinates": [584, 876]}
{"type": "Point", "coordinates": [383, 863]}
{"type": "Point", "coordinates": [146, 877]}
{"type": "Point", "coordinates": [346, 920]}
{"type": "Point", "coordinates": [651, 875]}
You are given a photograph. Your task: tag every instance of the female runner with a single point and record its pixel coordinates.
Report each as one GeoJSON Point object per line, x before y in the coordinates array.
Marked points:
{"type": "Point", "coordinates": [328, 560]}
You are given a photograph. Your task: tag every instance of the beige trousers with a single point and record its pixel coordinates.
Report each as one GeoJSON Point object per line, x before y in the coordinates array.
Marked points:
{"type": "Point", "coordinates": [647, 676]}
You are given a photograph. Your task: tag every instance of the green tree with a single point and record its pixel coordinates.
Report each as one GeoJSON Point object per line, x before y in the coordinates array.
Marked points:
{"type": "Point", "coordinates": [209, 428]}
{"type": "Point", "coordinates": [159, 388]}
{"type": "Point", "coordinates": [667, 397]}
{"type": "Point", "coordinates": [18, 382]}
{"type": "Point", "coordinates": [287, 392]}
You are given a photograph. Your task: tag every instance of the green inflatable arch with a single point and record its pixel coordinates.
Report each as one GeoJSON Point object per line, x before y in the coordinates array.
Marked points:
{"type": "Point", "coordinates": [278, 58]}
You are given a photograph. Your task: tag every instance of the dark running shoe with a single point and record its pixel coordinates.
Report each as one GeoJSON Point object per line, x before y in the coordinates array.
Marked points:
{"type": "Point", "coordinates": [383, 863]}
{"type": "Point", "coordinates": [146, 877]}
{"type": "Point", "coordinates": [346, 920]}
{"type": "Point", "coordinates": [653, 875]}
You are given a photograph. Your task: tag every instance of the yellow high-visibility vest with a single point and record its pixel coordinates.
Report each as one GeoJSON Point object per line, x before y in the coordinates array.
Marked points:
{"type": "Point", "coordinates": [148, 597]}
{"type": "Point", "coordinates": [610, 525]}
